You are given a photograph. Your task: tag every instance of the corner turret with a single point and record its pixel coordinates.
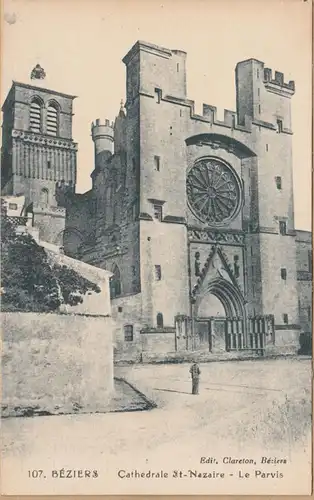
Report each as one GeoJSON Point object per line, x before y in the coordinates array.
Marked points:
{"type": "Point", "coordinates": [103, 137]}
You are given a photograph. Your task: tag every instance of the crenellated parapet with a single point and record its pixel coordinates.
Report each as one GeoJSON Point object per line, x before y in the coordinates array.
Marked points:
{"type": "Point", "coordinates": [102, 123]}
{"type": "Point", "coordinates": [209, 114]}
{"type": "Point", "coordinates": [278, 84]}
{"type": "Point", "coordinates": [230, 118]}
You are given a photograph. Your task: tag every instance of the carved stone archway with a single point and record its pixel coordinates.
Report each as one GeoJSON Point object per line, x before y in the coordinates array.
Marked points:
{"type": "Point", "coordinates": [229, 295]}
{"type": "Point", "coordinates": [213, 331]}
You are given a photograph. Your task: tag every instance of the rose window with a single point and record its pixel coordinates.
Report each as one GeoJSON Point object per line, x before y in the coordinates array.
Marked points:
{"type": "Point", "coordinates": [213, 191]}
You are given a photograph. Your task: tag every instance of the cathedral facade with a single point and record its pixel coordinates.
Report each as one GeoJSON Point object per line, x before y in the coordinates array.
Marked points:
{"type": "Point", "coordinates": [193, 215]}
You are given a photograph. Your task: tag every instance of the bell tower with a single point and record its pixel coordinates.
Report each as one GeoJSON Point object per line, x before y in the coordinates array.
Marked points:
{"type": "Point", "coordinates": [37, 148]}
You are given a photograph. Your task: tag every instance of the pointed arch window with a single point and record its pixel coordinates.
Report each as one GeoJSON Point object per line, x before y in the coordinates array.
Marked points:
{"type": "Point", "coordinates": [35, 118]}
{"type": "Point", "coordinates": [115, 283]}
{"type": "Point", "coordinates": [52, 119]}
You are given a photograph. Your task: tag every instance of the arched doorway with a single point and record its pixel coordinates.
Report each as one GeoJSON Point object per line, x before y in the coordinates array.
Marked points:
{"type": "Point", "coordinates": [210, 305]}
{"type": "Point", "coordinates": [219, 317]}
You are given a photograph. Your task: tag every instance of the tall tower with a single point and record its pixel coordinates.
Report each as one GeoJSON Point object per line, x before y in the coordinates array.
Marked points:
{"type": "Point", "coordinates": [267, 102]}
{"type": "Point", "coordinates": [157, 177]}
{"type": "Point", "coordinates": [38, 149]}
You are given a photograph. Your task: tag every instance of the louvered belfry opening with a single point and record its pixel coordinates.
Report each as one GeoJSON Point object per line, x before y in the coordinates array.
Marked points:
{"type": "Point", "coordinates": [52, 120]}
{"type": "Point", "coordinates": [35, 116]}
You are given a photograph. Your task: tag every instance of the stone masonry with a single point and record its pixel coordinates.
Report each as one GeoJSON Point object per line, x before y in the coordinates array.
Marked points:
{"type": "Point", "coordinates": [193, 216]}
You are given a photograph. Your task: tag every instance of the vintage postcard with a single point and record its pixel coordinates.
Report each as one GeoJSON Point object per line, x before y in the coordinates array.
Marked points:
{"type": "Point", "coordinates": [156, 247]}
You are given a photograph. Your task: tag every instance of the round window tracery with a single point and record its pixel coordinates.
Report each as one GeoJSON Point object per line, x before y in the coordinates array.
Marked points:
{"type": "Point", "coordinates": [213, 191]}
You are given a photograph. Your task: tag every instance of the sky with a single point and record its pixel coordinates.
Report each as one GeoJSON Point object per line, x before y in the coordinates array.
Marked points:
{"type": "Point", "coordinates": [81, 43]}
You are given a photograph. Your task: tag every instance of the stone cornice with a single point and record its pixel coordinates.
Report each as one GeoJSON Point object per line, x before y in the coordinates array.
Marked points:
{"type": "Point", "coordinates": [274, 88]}
{"type": "Point", "coordinates": [255, 229]}
{"type": "Point", "coordinates": [215, 230]}
{"type": "Point", "coordinates": [221, 237]}
{"type": "Point", "coordinates": [261, 123]}
{"type": "Point", "coordinates": [173, 219]}
{"type": "Point", "coordinates": [155, 201]}
{"type": "Point", "coordinates": [53, 211]}
{"type": "Point", "coordinates": [42, 89]}
{"type": "Point", "coordinates": [145, 216]}
{"type": "Point", "coordinates": [44, 140]}
{"type": "Point", "coordinates": [287, 327]}
{"type": "Point", "coordinates": [152, 330]}
{"type": "Point", "coordinates": [170, 219]}
{"type": "Point", "coordinates": [267, 230]}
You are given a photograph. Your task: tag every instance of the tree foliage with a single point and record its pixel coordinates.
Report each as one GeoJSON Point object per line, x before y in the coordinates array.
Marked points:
{"type": "Point", "coordinates": [29, 281]}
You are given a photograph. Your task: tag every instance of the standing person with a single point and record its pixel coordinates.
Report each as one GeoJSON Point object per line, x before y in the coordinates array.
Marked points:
{"type": "Point", "coordinates": [195, 374]}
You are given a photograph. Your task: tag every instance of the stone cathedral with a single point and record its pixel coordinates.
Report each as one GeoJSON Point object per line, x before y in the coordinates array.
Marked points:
{"type": "Point", "coordinates": [193, 216]}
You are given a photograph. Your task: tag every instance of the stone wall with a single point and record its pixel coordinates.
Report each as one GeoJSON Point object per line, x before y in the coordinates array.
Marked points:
{"type": "Point", "coordinates": [127, 310]}
{"type": "Point", "coordinates": [159, 342]}
{"type": "Point", "coordinates": [286, 342]}
{"type": "Point", "coordinates": [305, 278]}
{"type": "Point", "coordinates": [280, 296]}
{"type": "Point", "coordinates": [50, 223]}
{"type": "Point", "coordinates": [164, 245]}
{"type": "Point", "coordinates": [305, 290]}
{"type": "Point", "coordinates": [60, 362]}
{"type": "Point", "coordinates": [56, 362]}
